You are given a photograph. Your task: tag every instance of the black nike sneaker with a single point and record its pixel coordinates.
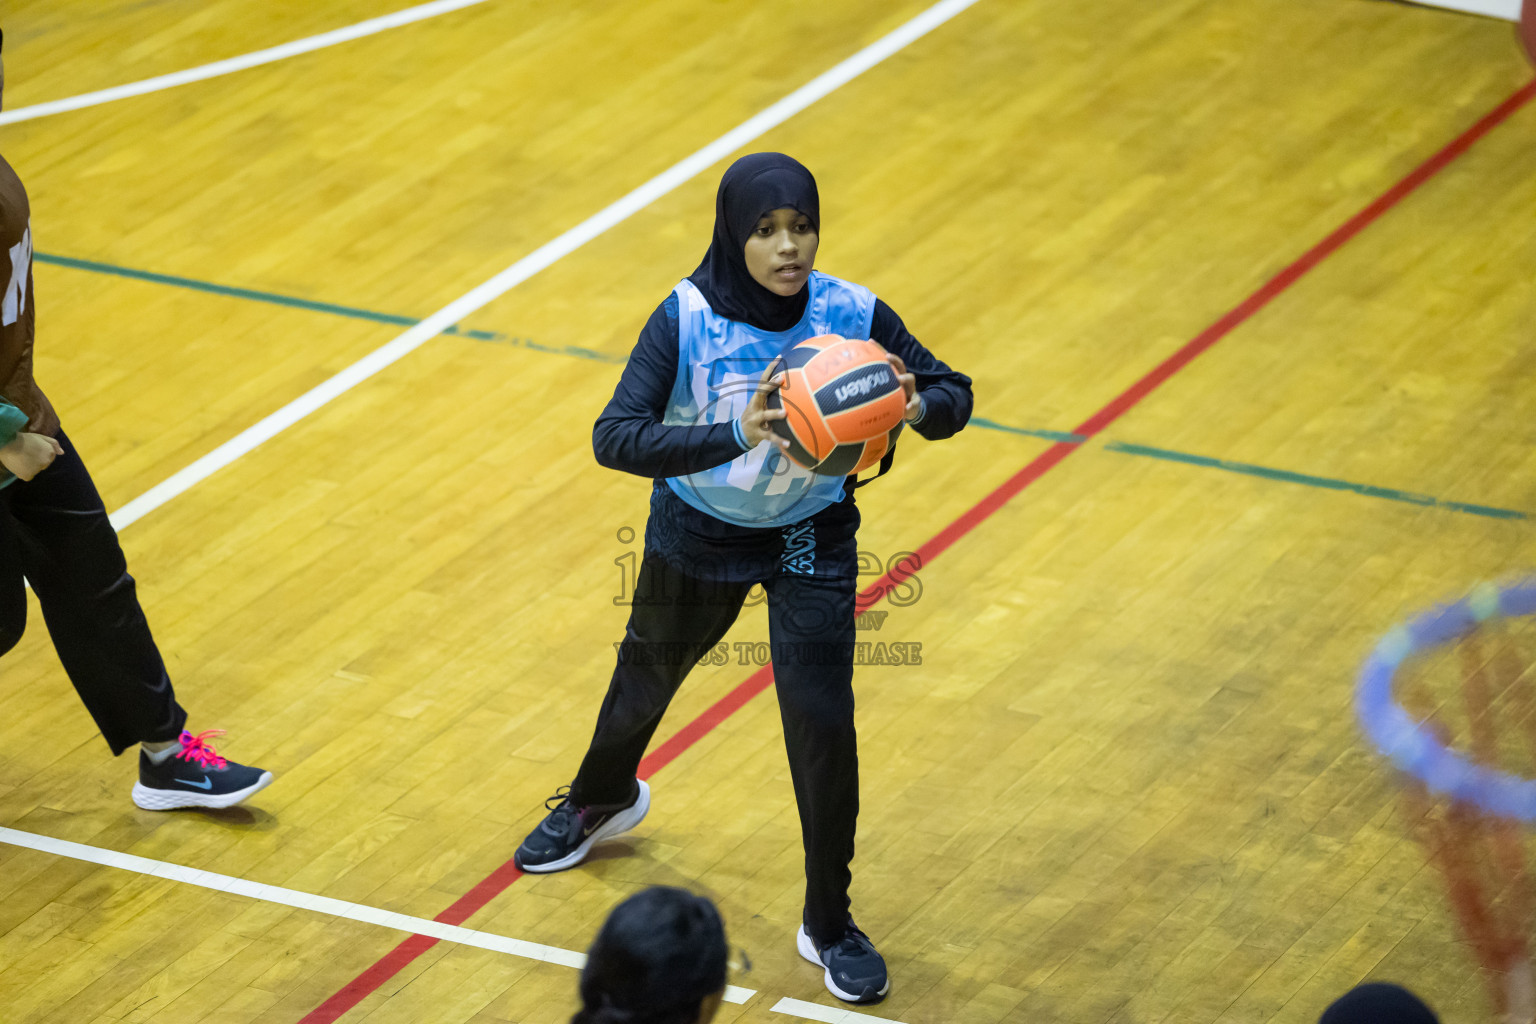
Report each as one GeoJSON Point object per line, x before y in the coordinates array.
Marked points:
{"type": "Point", "coordinates": [855, 973]}
{"type": "Point", "coordinates": [195, 776]}
{"type": "Point", "coordinates": [566, 834]}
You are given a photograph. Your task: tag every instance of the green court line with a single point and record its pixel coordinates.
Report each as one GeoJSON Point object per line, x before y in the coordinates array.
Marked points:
{"type": "Point", "coordinates": [1049, 435]}
{"type": "Point", "coordinates": [230, 291]}
{"type": "Point", "coordinates": [332, 308]}
{"type": "Point", "coordinates": [1286, 476]}
{"type": "Point", "coordinates": [1059, 436]}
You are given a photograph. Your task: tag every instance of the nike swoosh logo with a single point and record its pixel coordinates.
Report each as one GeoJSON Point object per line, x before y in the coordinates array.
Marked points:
{"type": "Point", "coordinates": [588, 831]}
{"type": "Point", "coordinates": [207, 783]}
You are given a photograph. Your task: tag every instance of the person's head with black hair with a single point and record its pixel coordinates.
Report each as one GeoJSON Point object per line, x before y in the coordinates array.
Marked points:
{"type": "Point", "coordinates": [658, 959]}
{"type": "Point", "coordinates": [1378, 1003]}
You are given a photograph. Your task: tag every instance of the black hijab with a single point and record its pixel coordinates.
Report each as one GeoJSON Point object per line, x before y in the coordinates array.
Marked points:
{"type": "Point", "coordinates": [751, 187]}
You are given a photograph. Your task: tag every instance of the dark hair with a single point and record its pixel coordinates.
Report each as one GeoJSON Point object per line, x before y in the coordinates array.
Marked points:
{"type": "Point", "coordinates": [1378, 1003]}
{"type": "Point", "coordinates": [657, 957]}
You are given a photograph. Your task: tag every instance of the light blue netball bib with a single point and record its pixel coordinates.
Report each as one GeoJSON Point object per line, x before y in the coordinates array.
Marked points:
{"type": "Point", "coordinates": [719, 364]}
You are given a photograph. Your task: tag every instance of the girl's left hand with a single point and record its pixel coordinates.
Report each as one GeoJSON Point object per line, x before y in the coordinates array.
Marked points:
{"type": "Point", "coordinates": [27, 455]}
{"type": "Point", "coordinates": [908, 384]}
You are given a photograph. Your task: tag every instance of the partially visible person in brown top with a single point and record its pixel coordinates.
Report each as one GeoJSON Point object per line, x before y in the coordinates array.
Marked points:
{"type": "Point", "coordinates": [55, 534]}
{"type": "Point", "coordinates": [16, 308]}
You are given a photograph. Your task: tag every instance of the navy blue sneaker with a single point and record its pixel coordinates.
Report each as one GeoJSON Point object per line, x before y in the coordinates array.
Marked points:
{"type": "Point", "coordinates": [566, 834]}
{"type": "Point", "coordinates": [855, 973]}
{"type": "Point", "coordinates": [195, 776]}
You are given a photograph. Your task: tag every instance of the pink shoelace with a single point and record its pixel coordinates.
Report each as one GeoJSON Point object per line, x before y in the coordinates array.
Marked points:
{"type": "Point", "coordinates": [196, 748]}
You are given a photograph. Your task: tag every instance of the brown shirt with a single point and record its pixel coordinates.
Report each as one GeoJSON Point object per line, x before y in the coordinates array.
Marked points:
{"type": "Point", "coordinates": [16, 383]}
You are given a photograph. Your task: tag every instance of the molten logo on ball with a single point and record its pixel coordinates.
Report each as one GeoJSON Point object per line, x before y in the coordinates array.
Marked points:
{"type": "Point", "coordinates": [843, 404]}
{"type": "Point", "coordinates": [861, 387]}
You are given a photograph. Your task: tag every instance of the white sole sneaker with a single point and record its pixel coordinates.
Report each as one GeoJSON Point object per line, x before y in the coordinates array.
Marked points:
{"type": "Point", "coordinates": [614, 826]}
{"type": "Point", "coordinates": [169, 799]}
{"type": "Point", "coordinates": [807, 949]}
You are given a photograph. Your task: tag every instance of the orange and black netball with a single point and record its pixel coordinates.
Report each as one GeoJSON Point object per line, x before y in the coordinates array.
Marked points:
{"type": "Point", "coordinates": [843, 404]}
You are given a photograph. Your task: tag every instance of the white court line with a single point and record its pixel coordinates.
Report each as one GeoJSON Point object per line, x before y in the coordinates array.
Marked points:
{"type": "Point", "coordinates": [1509, 10]}
{"type": "Point", "coordinates": [249, 60]}
{"type": "Point", "coordinates": [542, 257]}
{"type": "Point", "coordinates": [317, 904]}
{"type": "Point", "coordinates": [383, 918]}
{"type": "Point", "coordinates": [827, 1014]}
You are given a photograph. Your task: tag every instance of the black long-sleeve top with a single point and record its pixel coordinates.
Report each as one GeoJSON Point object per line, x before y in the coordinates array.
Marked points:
{"type": "Point", "coordinates": [630, 434]}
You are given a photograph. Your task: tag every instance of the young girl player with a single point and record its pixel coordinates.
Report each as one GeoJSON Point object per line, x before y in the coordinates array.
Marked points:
{"type": "Point", "coordinates": [728, 510]}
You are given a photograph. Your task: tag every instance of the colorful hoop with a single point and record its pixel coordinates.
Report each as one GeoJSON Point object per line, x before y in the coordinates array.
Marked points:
{"type": "Point", "coordinates": [1413, 747]}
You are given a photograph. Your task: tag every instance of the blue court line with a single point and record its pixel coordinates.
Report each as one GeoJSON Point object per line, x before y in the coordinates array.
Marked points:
{"type": "Point", "coordinates": [1286, 476]}
{"type": "Point", "coordinates": [1059, 436]}
{"type": "Point", "coordinates": [1048, 435]}
{"type": "Point", "coordinates": [1264, 472]}
{"type": "Point", "coordinates": [332, 308]}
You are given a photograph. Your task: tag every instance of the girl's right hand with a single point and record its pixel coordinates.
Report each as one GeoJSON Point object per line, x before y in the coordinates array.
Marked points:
{"type": "Point", "coordinates": [29, 454]}
{"type": "Point", "coordinates": [756, 421]}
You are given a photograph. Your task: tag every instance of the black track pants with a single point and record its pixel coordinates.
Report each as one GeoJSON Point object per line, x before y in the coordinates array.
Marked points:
{"type": "Point", "coordinates": [54, 532]}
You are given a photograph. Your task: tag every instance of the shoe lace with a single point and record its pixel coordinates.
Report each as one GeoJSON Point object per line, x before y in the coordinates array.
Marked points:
{"type": "Point", "coordinates": [562, 810]}
{"type": "Point", "coordinates": [854, 942]}
{"type": "Point", "coordinates": [197, 748]}
{"type": "Point", "coordinates": [850, 946]}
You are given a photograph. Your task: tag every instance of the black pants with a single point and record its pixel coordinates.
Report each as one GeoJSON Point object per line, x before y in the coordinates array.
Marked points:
{"type": "Point", "coordinates": [54, 532]}
{"type": "Point", "coordinates": [677, 617]}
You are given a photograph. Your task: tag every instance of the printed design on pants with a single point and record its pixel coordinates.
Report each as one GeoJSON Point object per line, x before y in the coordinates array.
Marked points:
{"type": "Point", "coordinates": [800, 549]}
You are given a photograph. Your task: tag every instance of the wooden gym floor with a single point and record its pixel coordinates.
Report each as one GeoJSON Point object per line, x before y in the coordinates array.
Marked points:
{"type": "Point", "coordinates": [1124, 785]}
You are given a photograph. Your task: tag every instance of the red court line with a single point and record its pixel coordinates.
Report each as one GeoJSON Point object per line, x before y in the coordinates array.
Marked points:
{"type": "Point", "coordinates": [398, 958]}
